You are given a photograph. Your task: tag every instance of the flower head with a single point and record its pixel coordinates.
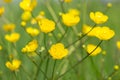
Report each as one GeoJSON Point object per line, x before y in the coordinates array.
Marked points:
{"type": "Point", "coordinates": [14, 65]}
{"type": "Point", "coordinates": [58, 51]}
{"type": "Point", "coordinates": [1, 11]}
{"type": "Point", "coordinates": [116, 67]}
{"type": "Point", "coordinates": [28, 5]}
{"type": "Point", "coordinates": [0, 47]}
{"type": "Point", "coordinates": [13, 37]}
{"type": "Point", "coordinates": [46, 25]}
{"type": "Point", "coordinates": [30, 47]}
{"type": "Point", "coordinates": [98, 17]}
{"type": "Point", "coordinates": [7, 1]}
{"type": "Point", "coordinates": [69, 19]}
{"type": "Point", "coordinates": [104, 33]}
{"type": "Point", "coordinates": [26, 15]}
{"type": "Point", "coordinates": [9, 27]}
{"type": "Point", "coordinates": [32, 31]}
{"type": "Point", "coordinates": [118, 44]}
{"type": "Point", "coordinates": [67, 1]}
{"type": "Point", "coordinates": [91, 47]}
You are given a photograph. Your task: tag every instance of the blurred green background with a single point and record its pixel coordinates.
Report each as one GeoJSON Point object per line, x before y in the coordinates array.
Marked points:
{"type": "Point", "coordinates": [93, 68]}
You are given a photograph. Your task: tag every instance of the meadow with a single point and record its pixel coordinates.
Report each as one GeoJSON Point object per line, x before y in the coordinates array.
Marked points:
{"type": "Point", "coordinates": [59, 40]}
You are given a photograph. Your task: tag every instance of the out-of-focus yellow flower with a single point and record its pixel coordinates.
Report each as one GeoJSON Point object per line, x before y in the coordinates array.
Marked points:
{"type": "Point", "coordinates": [9, 27]}
{"type": "Point", "coordinates": [26, 15]}
{"type": "Point", "coordinates": [0, 47]}
{"type": "Point", "coordinates": [118, 44]}
{"type": "Point", "coordinates": [28, 5]}
{"type": "Point", "coordinates": [1, 11]}
{"type": "Point", "coordinates": [91, 47]}
{"type": "Point", "coordinates": [13, 37]}
{"type": "Point", "coordinates": [23, 23]}
{"type": "Point", "coordinates": [104, 33]}
{"type": "Point", "coordinates": [70, 19]}
{"type": "Point", "coordinates": [46, 25]}
{"type": "Point", "coordinates": [58, 51]}
{"type": "Point", "coordinates": [116, 67]}
{"type": "Point", "coordinates": [14, 65]}
{"type": "Point", "coordinates": [32, 31]}
{"type": "Point", "coordinates": [30, 47]}
{"type": "Point", "coordinates": [98, 17]}
{"type": "Point", "coordinates": [109, 5]}
{"type": "Point", "coordinates": [7, 1]}
{"type": "Point", "coordinates": [74, 12]}
{"type": "Point", "coordinates": [67, 1]}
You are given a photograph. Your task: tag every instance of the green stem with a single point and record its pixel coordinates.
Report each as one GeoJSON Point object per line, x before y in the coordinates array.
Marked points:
{"type": "Point", "coordinates": [63, 35]}
{"type": "Point", "coordinates": [81, 37]}
{"type": "Point", "coordinates": [53, 69]}
{"type": "Point", "coordinates": [46, 67]}
{"type": "Point", "coordinates": [61, 5]}
{"type": "Point", "coordinates": [80, 60]}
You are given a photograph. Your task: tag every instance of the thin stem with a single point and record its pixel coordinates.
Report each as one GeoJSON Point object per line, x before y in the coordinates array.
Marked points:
{"type": "Point", "coordinates": [46, 67]}
{"type": "Point", "coordinates": [80, 60]}
{"type": "Point", "coordinates": [63, 35]}
{"type": "Point", "coordinates": [61, 5]}
{"type": "Point", "coordinates": [37, 67]}
{"type": "Point", "coordinates": [81, 37]}
{"type": "Point", "coordinates": [53, 69]}
{"type": "Point", "coordinates": [110, 75]}
{"type": "Point", "coordinates": [54, 36]}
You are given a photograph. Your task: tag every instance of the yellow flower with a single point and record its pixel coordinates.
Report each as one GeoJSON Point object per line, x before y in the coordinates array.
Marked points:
{"type": "Point", "coordinates": [91, 47]}
{"type": "Point", "coordinates": [118, 44]}
{"type": "Point", "coordinates": [58, 51]}
{"type": "Point", "coordinates": [46, 25]}
{"type": "Point", "coordinates": [87, 30]}
{"type": "Point", "coordinates": [32, 31]}
{"type": "Point", "coordinates": [26, 15]}
{"type": "Point", "coordinates": [28, 5]}
{"type": "Point", "coordinates": [0, 47]}
{"type": "Point", "coordinates": [14, 65]}
{"type": "Point", "coordinates": [98, 17]}
{"type": "Point", "coordinates": [74, 12]}
{"type": "Point", "coordinates": [23, 23]}
{"type": "Point", "coordinates": [13, 37]}
{"type": "Point", "coordinates": [2, 10]}
{"type": "Point", "coordinates": [104, 33]}
{"type": "Point", "coordinates": [116, 67]}
{"type": "Point", "coordinates": [109, 5]}
{"type": "Point", "coordinates": [67, 1]}
{"type": "Point", "coordinates": [70, 19]}
{"type": "Point", "coordinates": [9, 27]}
{"type": "Point", "coordinates": [7, 1]}
{"type": "Point", "coordinates": [30, 47]}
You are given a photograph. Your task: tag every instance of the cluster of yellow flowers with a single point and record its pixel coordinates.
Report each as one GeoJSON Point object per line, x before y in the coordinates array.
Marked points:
{"type": "Point", "coordinates": [71, 18]}
{"type": "Point", "coordinates": [14, 65]}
